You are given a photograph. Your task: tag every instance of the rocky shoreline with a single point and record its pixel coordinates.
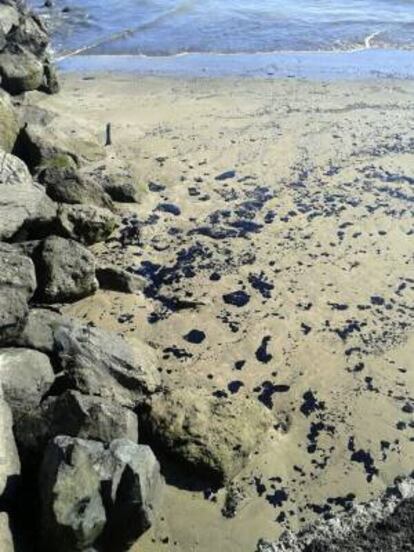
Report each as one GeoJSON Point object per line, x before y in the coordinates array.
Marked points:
{"type": "Point", "coordinates": [383, 525]}
{"type": "Point", "coordinates": [83, 409]}
{"type": "Point", "coordinates": [74, 396]}
{"type": "Point", "coordinates": [73, 476]}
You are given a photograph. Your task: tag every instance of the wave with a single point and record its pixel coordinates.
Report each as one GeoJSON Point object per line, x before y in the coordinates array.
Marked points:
{"type": "Point", "coordinates": [363, 45]}
{"type": "Point", "coordinates": [181, 8]}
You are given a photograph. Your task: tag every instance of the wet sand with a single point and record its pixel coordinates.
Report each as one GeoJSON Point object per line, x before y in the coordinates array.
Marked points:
{"type": "Point", "coordinates": [275, 238]}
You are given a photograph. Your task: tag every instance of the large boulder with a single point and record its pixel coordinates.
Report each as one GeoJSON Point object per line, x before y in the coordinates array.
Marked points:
{"type": "Point", "coordinates": [66, 185]}
{"type": "Point", "coordinates": [17, 285]}
{"type": "Point", "coordinates": [9, 126]}
{"type": "Point", "coordinates": [136, 494]}
{"type": "Point", "coordinates": [24, 206]}
{"type": "Point", "coordinates": [38, 332]}
{"type": "Point", "coordinates": [99, 363]}
{"type": "Point", "coordinates": [9, 17]}
{"type": "Point", "coordinates": [20, 71]}
{"type": "Point", "coordinates": [90, 491]}
{"type": "Point", "coordinates": [86, 223]}
{"type": "Point", "coordinates": [75, 415]}
{"type": "Point", "coordinates": [24, 61]}
{"type": "Point", "coordinates": [31, 34]}
{"type": "Point", "coordinates": [214, 436]}
{"type": "Point", "coordinates": [6, 537]}
{"type": "Point", "coordinates": [73, 513]}
{"type": "Point", "coordinates": [120, 187]}
{"type": "Point", "coordinates": [9, 458]}
{"type": "Point", "coordinates": [116, 279]}
{"type": "Point", "coordinates": [90, 417]}
{"type": "Point", "coordinates": [93, 361]}
{"type": "Point", "coordinates": [60, 143]}
{"type": "Point", "coordinates": [65, 271]}
{"type": "Point", "coordinates": [26, 376]}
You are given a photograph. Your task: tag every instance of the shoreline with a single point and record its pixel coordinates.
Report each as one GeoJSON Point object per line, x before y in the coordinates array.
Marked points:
{"type": "Point", "coordinates": [353, 65]}
{"type": "Point", "coordinates": [212, 278]}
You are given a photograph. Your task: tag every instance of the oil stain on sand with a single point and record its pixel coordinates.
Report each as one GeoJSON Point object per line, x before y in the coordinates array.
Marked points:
{"type": "Point", "coordinates": [275, 240]}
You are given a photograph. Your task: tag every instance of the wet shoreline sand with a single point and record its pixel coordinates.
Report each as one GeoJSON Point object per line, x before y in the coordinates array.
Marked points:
{"type": "Point", "coordinates": [281, 209]}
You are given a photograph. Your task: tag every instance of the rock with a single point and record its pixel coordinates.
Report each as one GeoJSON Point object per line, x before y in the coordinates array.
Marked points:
{"type": "Point", "coordinates": [9, 17]}
{"type": "Point", "coordinates": [33, 114]}
{"type": "Point", "coordinates": [214, 436]}
{"type": "Point", "coordinates": [137, 496]}
{"type": "Point", "coordinates": [3, 40]}
{"type": "Point", "coordinates": [98, 363]}
{"type": "Point", "coordinates": [38, 332]}
{"type": "Point", "coordinates": [89, 417]}
{"type": "Point", "coordinates": [20, 70]}
{"type": "Point", "coordinates": [9, 458]}
{"type": "Point", "coordinates": [61, 143]}
{"type": "Point", "coordinates": [17, 285]}
{"type": "Point", "coordinates": [26, 376]}
{"type": "Point", "coordinates": [24, 206]}
{"type": "Point", "coordinates": [86, 223]}
{"type": "Point", "coordinates": [120, 189]}
{"type": "Point", "coordinates": [75, 415]}
{"type": "Point", "coordinates": [117, 279]}
{"type": "Point", "coordinates": [30, 34]}
{"type": "Point", "coordinates": [94, 361]}
{"type": "Point", "coordinates": [6, 537]}
{"type": "Point", "coordinates": [384, 524]}
{"type": "Point", "coordinates": [78, 477]}
{"type": "Point", "coordinates": [66, 185]}
{"type": "Point", "coordinates": [73, 513]}
{"type": "Point", "coordinates": [65, 271]}
{"type": "Point", "coordinates": [9, 126]}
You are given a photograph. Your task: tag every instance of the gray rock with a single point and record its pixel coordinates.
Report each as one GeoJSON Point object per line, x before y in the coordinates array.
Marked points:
{"type": "Point", "coordinates": [9, 126]}
{"type": "Point", "coordinates": [17, 284]}
{"type": "Point", "coordinates": [3, 40]}
{"type": "Point", "coordinates": [9, 17]}
{"type": "Point", "coordinates": [120, 189]}
{"type": "Point", "coordinates": [75, 415]}
{"type": "Point", "coordinates": [78, 477]}
{"type": "Point", "coordinates": [93, 361]}
{"type": "Point", "coordinates": [6, 537]}
{"type": "Point", "coordinates": [9, 458]}
{"type": "Point", "coordinates": [34, 115]}
{"type": "Point", "coordinates": [30, 34]}
{"type": "Point", "coordinates": [73, 513]}
{"type": "Point", "coordinates": [86, 223]}
{"type": "Point", "coordinates": [66, 271]}
{"type": "Point", "coordinates": [38, 332]}
{"type": "Point", "coordinates": [116, 279]}
{"type": "Point", "coordinates": [60, 143]}
{"type": "Point", "coordinates": [67, 185]}
{"type": "Point", "coordinates": [137, 488]}
{"type": "Point", "coordinates": [26, 376]}
{"type": "Point", "coordinates": [24, 206]}
{"type": "Point", "coordinates": [214, 436]}
{"type": "Point", "coordinates": [98, 363]}
{"type": "Point", "coordinates": [20, 70]}
{"type": "Point", "coordinates": [89, 417]}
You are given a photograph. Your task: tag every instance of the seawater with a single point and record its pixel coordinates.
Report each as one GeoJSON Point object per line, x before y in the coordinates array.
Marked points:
{"type": "Point", "coordinates": [177, 27]}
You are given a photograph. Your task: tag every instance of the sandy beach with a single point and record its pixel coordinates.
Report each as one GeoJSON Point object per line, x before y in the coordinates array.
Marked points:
{"type": "Point", "coordinates": [281, 211]}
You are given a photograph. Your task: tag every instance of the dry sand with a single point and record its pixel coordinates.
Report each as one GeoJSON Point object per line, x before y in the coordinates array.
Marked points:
{"type": "Point", "coordinates": [316, 228]}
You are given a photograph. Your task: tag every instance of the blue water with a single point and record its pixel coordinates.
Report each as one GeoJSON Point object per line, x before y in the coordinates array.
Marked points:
{"type": "Point", "coordinates": [172, 27]}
